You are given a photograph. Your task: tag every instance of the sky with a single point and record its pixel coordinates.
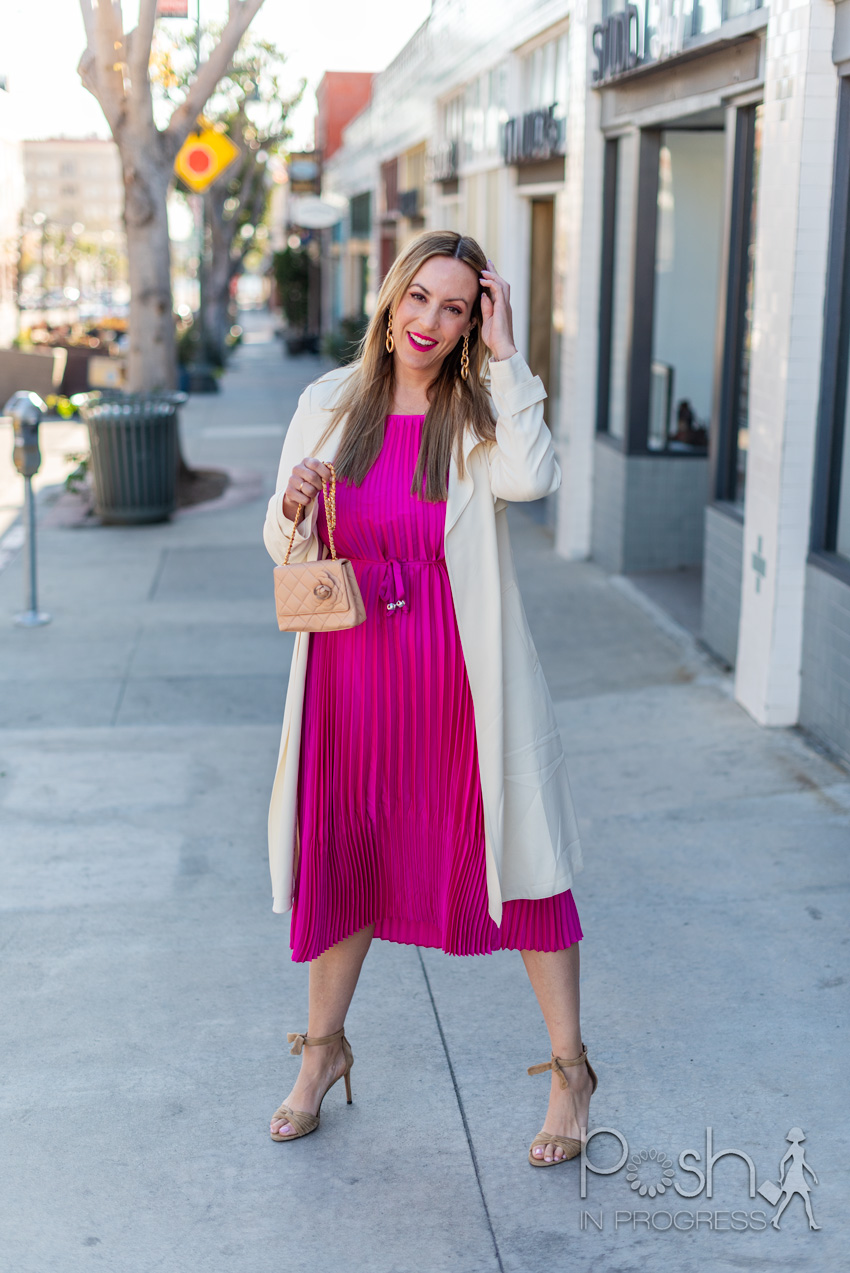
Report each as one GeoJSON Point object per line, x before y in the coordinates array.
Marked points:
{"type": "Point", "coordinates": [42, 41]}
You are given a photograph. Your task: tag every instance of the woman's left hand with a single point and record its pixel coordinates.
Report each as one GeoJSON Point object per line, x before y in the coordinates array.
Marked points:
{"type": "Point", "coordinates": [497, 329]}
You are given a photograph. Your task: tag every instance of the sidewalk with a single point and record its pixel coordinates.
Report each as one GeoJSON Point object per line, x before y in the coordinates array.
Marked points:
{"type": "Point", "coordinates": [149, 987]}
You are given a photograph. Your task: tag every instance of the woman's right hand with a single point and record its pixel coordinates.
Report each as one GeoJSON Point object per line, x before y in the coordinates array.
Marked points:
{"type": "Point", "coordinates": [304, 485]}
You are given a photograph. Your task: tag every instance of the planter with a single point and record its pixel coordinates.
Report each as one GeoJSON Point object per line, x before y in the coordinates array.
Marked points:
{"type": "Point", "coordinates": [39, 370]}
{"type": "Point", "coordinates": [133, 455]}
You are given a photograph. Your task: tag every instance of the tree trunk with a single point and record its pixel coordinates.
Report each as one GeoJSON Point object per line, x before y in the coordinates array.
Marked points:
{"type": "Point", "coordinates": [217, 282]}
{"type": "Point", "coordinates": [152, 360]}
{"type": "Point", "coordinates": [216, 313]}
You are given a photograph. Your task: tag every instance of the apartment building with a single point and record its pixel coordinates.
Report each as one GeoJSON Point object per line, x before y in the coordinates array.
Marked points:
{"type": "Point", "coordinates": [11, 203]}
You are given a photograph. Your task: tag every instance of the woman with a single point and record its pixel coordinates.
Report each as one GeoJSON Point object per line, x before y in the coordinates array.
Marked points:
{"type": "Point", "coordinates": [422, 794]}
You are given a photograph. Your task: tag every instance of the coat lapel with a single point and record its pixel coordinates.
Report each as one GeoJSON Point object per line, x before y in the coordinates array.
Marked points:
{"type": "Point", "coordinates": [460, 488]}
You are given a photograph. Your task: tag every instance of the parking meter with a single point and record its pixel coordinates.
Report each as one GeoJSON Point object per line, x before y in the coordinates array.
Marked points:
{"type": "Point", "coordinates": [26, 410]}
{"type": "Point", "coordinates": [26, 455]}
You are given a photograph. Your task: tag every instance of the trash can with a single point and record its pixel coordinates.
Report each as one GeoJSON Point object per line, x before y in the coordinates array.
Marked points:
{"type": "Point", "coordinates": [133, 455]}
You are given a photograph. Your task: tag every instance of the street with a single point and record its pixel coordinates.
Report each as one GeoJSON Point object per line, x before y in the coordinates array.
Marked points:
{"type": "Point", "coordinates": [147, 987]}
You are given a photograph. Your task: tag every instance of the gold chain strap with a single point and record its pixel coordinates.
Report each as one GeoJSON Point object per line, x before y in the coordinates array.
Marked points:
{"type": "Point", "coordinates": [330, 510]}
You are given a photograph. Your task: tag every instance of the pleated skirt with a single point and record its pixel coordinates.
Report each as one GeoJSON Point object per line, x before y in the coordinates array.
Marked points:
{"type": "Point", "coordinates": [390, 811]}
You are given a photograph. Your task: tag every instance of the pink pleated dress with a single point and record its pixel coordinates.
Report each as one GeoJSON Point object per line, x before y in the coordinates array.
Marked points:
{"type": "Point", "coordinates": [390, 811]}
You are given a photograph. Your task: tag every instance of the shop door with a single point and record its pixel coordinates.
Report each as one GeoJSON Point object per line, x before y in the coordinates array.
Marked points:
{"type": "Point", "coordinates": [540, 289]}
{"type": "Point", "coordinates": [388, 250]}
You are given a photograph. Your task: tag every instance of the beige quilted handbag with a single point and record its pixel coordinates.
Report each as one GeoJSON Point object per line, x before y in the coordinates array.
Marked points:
{"type": "Point", "coordinates": [318, 596]}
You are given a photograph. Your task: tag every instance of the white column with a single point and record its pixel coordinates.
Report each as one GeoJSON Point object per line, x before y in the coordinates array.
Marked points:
{"type": "Point", "coordinates": [791, 247]}
{"type": "Point", "coordinates": [579, 246]}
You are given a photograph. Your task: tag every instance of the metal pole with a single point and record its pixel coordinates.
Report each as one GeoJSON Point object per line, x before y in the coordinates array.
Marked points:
{"type": "Point", "coordinates": [32, 617]}
{"type": "Point", "coordinates": [26, 410]}
{"type": "Point", "coordinates": [202, 222]}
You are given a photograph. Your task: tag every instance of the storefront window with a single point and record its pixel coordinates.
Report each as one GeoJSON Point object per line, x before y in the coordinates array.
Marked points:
{"type": "Point", "coordinates": [451, 118]}
{"type": "Point", "coordinates": [708, 16]}
{"type": "Point", "coordinates": [687, 263]}
{"type": "Point", "coordinates": [842, 538]}
{"type": "Point", "coordinates": [545, 76]}
{"type": "Point", "coordinates": [483, 111]}
{"type": "Point", "coordinates": [742, 429]}
{"type": "Point", "coordinates": [361, 215]}
{"type": "Point", "coordinates": [733, 412]}
{"type": "Point", "coordinates": [830, 529]}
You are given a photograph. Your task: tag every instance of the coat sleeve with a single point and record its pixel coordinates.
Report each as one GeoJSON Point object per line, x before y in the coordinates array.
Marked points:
{"type": "Point", "coordinates": [522, 458]}
{"type": "Point", "coordinates": [278, 527]}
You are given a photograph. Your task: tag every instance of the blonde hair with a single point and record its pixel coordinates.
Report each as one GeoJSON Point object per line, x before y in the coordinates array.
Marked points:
{"type": "Point", "coordinates": [453, 403]}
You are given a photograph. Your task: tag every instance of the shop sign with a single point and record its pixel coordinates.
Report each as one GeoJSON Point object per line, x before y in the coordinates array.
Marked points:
{"type": "Point", "coordinates": [639, 34]}
{"type": "Point", "coordinates": [303, 171]}
{"type": "Point", "coordinates": [442, 162]}
{"type": "Point", "coordinates": [172, 8]}
{"type": "Point", "coordinates": [533, 136]}
{"type": "Point", "coordinates": [615, 44]}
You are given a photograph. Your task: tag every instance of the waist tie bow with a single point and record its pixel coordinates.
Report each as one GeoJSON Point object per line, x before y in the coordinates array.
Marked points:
{"type": "Point", "coordinates": [392, 587]}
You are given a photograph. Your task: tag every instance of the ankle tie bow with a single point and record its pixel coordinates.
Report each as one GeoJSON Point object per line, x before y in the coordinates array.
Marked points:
{"type": "Point", "coordinates": [557, 1065]}
{"type": "Point", "coordinates": [299, 1041]}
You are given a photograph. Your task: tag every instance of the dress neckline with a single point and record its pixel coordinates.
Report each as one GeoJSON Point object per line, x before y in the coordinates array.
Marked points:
{"type": "Point", "coordinates": [396, 416]}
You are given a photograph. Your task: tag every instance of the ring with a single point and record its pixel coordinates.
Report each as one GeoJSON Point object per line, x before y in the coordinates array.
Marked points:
{"type": "Point", "coordinates": [301, 487]}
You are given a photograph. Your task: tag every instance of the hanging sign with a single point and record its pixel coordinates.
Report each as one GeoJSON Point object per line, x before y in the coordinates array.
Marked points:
{"type": "Point", "coordinates": [172, 8]}
{"type": "Point", "coordinates": [203, 157]}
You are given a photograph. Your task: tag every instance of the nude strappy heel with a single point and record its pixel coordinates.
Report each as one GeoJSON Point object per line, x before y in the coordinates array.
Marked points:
{"type": "Point", "coordinates": [570, 1146]}
{"type": "Point", "coordinates": [301, 1119]}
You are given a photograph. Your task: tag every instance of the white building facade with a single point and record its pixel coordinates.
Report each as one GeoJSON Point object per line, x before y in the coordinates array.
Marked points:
{"type": "Point", "coordinates": [666, 185]}
{"type": "Point", "coordinates": [11, 204]}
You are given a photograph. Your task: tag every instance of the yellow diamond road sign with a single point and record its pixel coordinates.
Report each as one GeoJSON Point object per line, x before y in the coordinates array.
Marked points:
{"type": "Point", "coordinates": [203, 157]}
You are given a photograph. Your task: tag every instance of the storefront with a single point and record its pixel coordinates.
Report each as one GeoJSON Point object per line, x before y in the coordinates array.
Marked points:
{"type": "Point", "coordinates": [680, 118]}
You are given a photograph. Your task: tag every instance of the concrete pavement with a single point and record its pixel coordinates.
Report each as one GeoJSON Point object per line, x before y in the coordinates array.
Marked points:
{"type": "Point", "coordinates": [146, 986]}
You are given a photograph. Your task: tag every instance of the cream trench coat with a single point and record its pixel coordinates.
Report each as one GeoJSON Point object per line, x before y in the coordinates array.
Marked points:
{"type": "Point", "coordinates": [531, 836]}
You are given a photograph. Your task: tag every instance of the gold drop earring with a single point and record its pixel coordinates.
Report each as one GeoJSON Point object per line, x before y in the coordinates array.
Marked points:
{"type": "Point", "coordinates": [390, 343]}
{"type": "Point", "coordinates": [464, 358]}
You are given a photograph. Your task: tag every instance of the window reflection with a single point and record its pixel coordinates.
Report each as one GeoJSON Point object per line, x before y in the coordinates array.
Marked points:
{"type": "Point", "coordinates": [687, 262]}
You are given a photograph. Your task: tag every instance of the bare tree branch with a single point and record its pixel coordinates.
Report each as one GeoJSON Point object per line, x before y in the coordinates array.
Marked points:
{"type": "Point", "coordinates": [88, 21]}
{"type": "Point", "coordinates": [182, 120]}
{"type": "Point", "coordinates": [100, 67]}
{"type": "Point", "coordinates": [139, 46]}
{"type": "Point", "coordinates": [106, 70]}
{"type": "Point", "coordinates": [87, 71]}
